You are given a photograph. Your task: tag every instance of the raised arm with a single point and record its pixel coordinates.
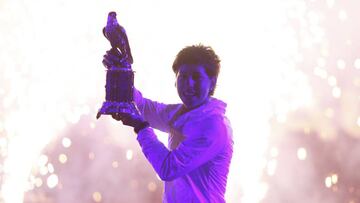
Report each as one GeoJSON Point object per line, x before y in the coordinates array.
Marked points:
{"type": "Point", "coordinates": [156, 113]}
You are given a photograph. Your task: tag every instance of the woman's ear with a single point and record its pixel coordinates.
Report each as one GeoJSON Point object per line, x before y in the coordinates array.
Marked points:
{"type": "Point", "coordinates": [213, 83]}
{"type": "Point", "coordinates": [175, 83]}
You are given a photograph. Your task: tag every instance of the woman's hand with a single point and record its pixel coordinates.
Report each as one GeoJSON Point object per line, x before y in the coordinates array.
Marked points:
{"type": "Point", "coordinates": [112, 57]}
{"type": "Point", "coordinates": [129, 119]}
{"type": "Point", "coordinates": [133, 120]}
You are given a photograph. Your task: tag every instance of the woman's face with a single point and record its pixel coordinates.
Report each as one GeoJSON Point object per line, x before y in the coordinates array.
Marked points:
{"type": "Point", "coordinates": [193, 85]}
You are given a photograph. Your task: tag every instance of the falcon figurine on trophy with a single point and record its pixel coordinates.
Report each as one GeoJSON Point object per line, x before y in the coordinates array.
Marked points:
{"type": "Point", "coordinates": [119, 76]}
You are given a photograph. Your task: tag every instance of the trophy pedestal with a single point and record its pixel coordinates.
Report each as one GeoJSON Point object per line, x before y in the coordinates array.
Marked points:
{"type": "Point", "coordinates": [119, 92]}
{"type": "Point", "coordinates": [112, 108]}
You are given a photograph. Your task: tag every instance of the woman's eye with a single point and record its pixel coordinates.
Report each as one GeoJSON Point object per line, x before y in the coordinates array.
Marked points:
{"type": "Point", "coordinates": [197, 77]}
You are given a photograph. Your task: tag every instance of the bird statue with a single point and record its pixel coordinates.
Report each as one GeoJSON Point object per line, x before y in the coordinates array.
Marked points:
{"type": "Point", "coordinates": [117, 37]}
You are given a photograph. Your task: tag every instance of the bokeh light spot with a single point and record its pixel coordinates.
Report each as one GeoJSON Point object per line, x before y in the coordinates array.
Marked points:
{"type": "Point", "coordinates": [1, 127]}
{"type": "Point", "coordinates": [330, 3]}
{"type": "Point", "coordinates": [321, 62]}
{"type": "Point", "coordinates": [328, 182]}
{"type": "Point", "coordinates": [43, 159]}
{"type": "Point", "coordinates": [322, 73]}
{"type": "Point", "coordinates": [343, 15]}
{"type": "Point", "coordinates": [91, 156]}
{"type": "Point", "coordinates": [52, 180]}
{"type": "Point", "coordinates": [38, 182]}
{"type": "Point", "coordinates": [3, 142]}
{"type": "Point", "coordinates": [281, 118]}
{"type": "Point", "coordinates": [271, 167]}
{"type": "Point", "coordinates": [92, 125]}
{"type": "Point", "coordinates": [50, 168]}
{"type": "Point", "coordinates": [357, 63]}
{"type": "Point", "coordinates": [341, 64]}
{"type": "Point", "coordinates": [306, 130]}
{"type": "Point", "coordinates": [151, 186]}
{"type": "Point", "coordinates": [97, 196]}
{"type": "Point", "coordinates": [332, 81]}
{"type": "Point", "coordinates": [63, 158]}
{"type": "Point", "coordinates": [43, 170]}
{"type": "Point", "coordinates": [329, 112]}
{"type": "Point", "coordinates": [115, 164]}
{"type": "Point", "coordinates": [334, 178]}
{"type": "Point", "coordinates": [274, 152]}
{"type": "Point", "coordinates": [66, 142]}
{"type": "Point", "coordinates": [336, 92]}
{"type": "Point", "coordinates": [301, 153]}
{"type": "Point", "coordinates": [129, 154]}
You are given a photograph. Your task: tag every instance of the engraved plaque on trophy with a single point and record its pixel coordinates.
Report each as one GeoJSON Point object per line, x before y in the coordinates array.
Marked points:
{"type": "Point", "coordinates": [119, 76]}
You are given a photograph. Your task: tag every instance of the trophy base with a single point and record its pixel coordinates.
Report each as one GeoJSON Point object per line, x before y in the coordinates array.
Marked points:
{"type": "Point", "coordinates": [111, 107]}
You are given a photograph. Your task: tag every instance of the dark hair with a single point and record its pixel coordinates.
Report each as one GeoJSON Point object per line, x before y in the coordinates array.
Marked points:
{"type": "Point", "coordinates": [199, 55]}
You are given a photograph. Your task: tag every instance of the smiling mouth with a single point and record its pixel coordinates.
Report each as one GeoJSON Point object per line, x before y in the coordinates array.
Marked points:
{"type": "Point", "coordinates": [189, 93]}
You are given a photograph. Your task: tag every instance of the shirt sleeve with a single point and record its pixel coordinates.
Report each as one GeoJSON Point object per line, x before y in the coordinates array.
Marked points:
{"type": "Point", "coordinates": [205, 141]}
{"type": "Point", "coordinates": [156, 113]}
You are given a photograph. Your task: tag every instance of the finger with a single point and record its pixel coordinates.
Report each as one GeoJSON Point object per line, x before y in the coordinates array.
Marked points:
{"type": "Point", "coordinates": [116, 117]}
{"type": "Point", "coordinates": [113, 57]}
{"type": "Point", "coordinates": [115, 51]}
{"type": "Point", "coordinates": [108, 61]}
{"type": "Point", "coordinates": [124, 117]}
{"type": "Point", "coordinates": [127, 121]}
{"type": "Point", "coordinates": [109, 52]}
{"type": "Point", "coordinates": [110, 56]}
{"type": "Point", "coordinates": [106, 64]}
{"type": "Point", "coordinates": [98, 115]}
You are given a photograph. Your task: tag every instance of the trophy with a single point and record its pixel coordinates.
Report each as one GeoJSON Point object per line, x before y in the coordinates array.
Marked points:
{"type": "Point", "coordinates": [119, 76]}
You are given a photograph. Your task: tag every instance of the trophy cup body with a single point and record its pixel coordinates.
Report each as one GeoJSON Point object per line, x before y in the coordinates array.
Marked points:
{"type": "Point", "coordinates": [119, 76]}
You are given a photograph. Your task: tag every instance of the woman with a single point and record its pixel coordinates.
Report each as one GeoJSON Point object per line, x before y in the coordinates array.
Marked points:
{"type": "Point", "coordinates": [196, 163]}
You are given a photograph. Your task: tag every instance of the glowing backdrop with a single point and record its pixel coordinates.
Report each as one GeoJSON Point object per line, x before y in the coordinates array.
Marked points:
{"type": "Point", "coordinates": [290, 75]}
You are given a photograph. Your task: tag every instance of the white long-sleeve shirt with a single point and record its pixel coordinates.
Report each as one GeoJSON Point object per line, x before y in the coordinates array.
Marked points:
{"type": "Point", "coordinates": [196, 163]}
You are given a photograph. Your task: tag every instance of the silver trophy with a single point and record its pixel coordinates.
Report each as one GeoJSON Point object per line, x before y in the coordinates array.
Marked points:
{"type": "Point", "coordinates": [119, 77]}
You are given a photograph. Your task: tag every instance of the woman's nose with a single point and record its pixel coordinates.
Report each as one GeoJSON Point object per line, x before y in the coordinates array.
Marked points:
{"type": "Point", "coordinates": [190, 82]}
